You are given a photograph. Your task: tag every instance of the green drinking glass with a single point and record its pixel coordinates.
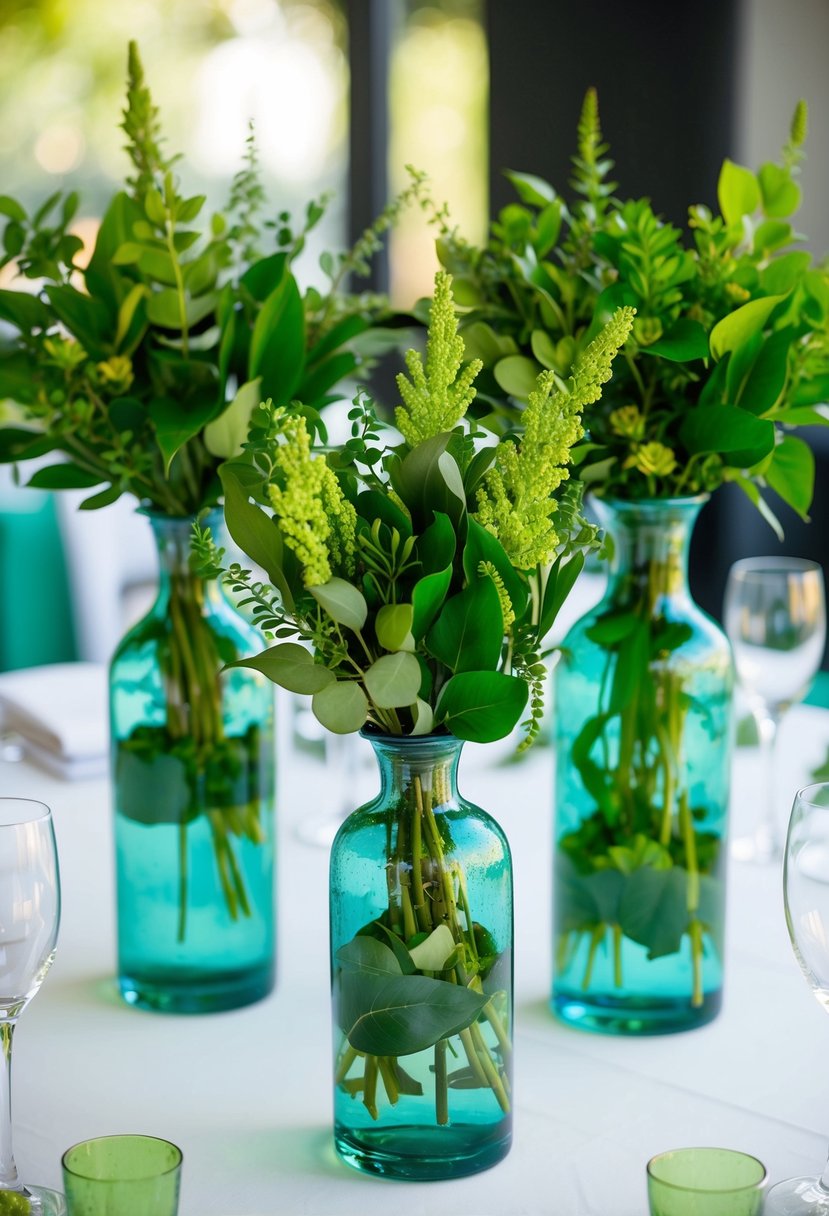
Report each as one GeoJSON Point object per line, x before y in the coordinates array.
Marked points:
{"type": "Point", "coordinates": [705, 1182]}
{"type": "Point", "coordinates": [122, 1176]}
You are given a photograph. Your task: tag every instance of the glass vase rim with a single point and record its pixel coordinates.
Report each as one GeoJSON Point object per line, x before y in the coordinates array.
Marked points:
{"type": "Point", "coordinates": [650, 505]}
{"type": "Point", "coordinates": [122, 1136]}
{"type": "Point", "coordinates": [154, 515]}
{"type": "Point", "coordinates": [413, 742]}
{"type": "Point", "coordinates": [39, 811]}
{"type": "Point", "coordinates": [757, 1185]}
{"type": "Point", "coordinates": [762, 564]}
{"type": "Point", "coordinates": [805, 795]}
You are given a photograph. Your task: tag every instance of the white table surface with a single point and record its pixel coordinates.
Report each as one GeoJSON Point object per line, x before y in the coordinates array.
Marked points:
{"type": "Point", "coordinates": [247, 1094]}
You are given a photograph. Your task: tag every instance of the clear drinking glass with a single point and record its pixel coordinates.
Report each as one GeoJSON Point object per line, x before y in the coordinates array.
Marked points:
{"type": "Point", "coordinates": [122, 1176]}
{"type": "Point", "coordinates": [806, 898]}
{"type": "Point", "coordinates": [775, 618]}
{"type": "Point", "coordinates": [29, 917]}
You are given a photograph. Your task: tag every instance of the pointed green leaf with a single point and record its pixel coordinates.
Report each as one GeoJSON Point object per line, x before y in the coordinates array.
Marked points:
{"type": "Point", "coordinates": [791, 474]}
{"type": "Point", "coordinates": [781, 195]}
{"type": "Point", "coordinates": [255, 533]}
{"type": "Point", "coordinates": [740, 438]}
{"type": "Point", "coordinates": [428, 595]}
{"type": "Point", "coordinates": [739, 326]}
{"type": "Point", "coordinates": [737, 191]}
{"type": "Point", "coordinates": [290, 666]}
{"type": "Point", "coordinates": [468, 634]}
{"type": "Point", "coordinates": [685, 341]}
{"type": "Point", "coordinates": [481, 706]}
{"type": "Point", "coordinates": [277, 345]}
{"type": "Point", "coordinates": [224, 436]}
{"type": "Point", "coordinates": [176, 422]}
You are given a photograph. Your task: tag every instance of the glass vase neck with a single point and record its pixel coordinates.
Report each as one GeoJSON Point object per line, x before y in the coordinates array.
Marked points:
{"type": "Point", "coordinates": [173, 534]}
{"type": "Point", "coordinates": [428, 762]}
{"type": "Point", "coordinates": [651, 540]}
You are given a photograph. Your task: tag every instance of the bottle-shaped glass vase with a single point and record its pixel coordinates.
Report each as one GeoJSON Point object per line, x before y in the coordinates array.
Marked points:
{"type": "Point", "coordinates": [642, 698]}
{"type": "Point", "coordinates": [193, 776]}
{"type": "Point", "coordinates": [421, 959]}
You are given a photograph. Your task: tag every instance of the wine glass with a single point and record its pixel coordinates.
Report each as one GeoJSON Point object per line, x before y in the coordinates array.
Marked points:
{"type": "Point", "coordinates": [775, 618]}
{"type": "Point", "coordinates": [29, 916]}
{"type": "Point", "coordinates": [806, 897]}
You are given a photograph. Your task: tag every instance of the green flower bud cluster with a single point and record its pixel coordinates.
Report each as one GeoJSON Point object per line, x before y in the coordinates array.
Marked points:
{"type": "Point", "coordinates": [437, 396]}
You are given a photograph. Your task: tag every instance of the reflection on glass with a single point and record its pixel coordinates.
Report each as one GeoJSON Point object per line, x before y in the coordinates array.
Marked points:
{"type": "Point", "coordinates": [775, 618]}
{"type": "Point", "coordinates": [806, 896]}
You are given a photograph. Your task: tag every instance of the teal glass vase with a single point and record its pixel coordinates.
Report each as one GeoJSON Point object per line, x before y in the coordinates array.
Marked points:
{"type": "Point", "coordinates": [642, 697]}
{"type": "Point", "coordinates": [421, 946]}
{"type": "Point", "coordinates": [193, 775]}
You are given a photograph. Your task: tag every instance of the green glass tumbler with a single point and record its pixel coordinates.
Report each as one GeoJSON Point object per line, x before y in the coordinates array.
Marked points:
{"type": "Point", "coordinates": [123, 1175]}
{"type": "Point", "coordinates": [705, 1182]}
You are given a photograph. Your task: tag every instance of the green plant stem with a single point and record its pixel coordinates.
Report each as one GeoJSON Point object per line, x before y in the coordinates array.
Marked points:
{"type": "Point", "coordinates": [441, 1084]}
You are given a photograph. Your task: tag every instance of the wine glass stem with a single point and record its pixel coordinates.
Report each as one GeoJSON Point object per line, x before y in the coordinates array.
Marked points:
{"type": "Point", "coordinates": [766, 835]}
{"type": "Point", "coordinates": [8, 1170]}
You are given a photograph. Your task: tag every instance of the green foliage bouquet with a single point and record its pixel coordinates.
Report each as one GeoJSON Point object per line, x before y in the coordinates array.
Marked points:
{"type": "Point", "coordinates": [141, 370]}
{"type": "Point", "coordinates": [730, 347]}
{"type": "Point", "coordinates": [727, 355]}
{"type": "Point", "coordinates": [413, 576]}
{"type": "Point", "coordinates": [419, 578]}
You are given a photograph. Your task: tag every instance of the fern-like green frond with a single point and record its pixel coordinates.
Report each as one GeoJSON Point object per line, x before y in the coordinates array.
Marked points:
{"type": "Point", "coordinates": [438, 393]}
{"type": "Point", "coordinates": [143, 130]}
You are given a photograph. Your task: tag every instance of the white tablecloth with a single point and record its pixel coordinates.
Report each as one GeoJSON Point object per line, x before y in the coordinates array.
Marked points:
{"type": "Point", "coordinates": [247, 1094]}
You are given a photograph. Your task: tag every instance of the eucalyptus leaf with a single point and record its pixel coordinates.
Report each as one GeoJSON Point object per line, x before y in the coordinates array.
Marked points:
{"type": "Point", "coordinates": [424, 718]}
{"type": "Point", "coordinates": [400, 1015]}
{"type": "Point", "coordinates": [341, 707]}
{"type": "Point", "coordinates": [393, 680]}
{"type": "Point", "coordinates": [393, 627]}
{"type": "Point", "coordinates": [517, 375]}
{"type": "Point", "coordinates": [343, 603]}
{"type": "Point", "coordinates": [432, 953]}
{"type": "Point", "coordinates": [290, 666]}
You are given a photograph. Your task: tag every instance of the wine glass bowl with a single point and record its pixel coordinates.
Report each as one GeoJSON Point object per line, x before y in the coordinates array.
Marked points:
{"type": "Point", "coordinates": [29, 919]}
{"type": "Point", "coordinates": [775, 618]}
{"type": "Point", "coordinates": [806, 901]}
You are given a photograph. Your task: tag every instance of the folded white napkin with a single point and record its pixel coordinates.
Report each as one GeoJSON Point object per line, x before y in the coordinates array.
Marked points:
{"type": "Point", "coordinates": [60, 713]}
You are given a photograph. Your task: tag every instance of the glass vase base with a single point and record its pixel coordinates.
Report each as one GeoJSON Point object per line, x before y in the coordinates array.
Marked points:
{"type": "Point", "coordinates": [422, 1154]}
{"type": "Point", "coordinates": [634, 1015]}
{"type": "Point", "coordinates": [797, 1197]}
{"type": "Point", "coordinates": [43, 1202]}
{"type": "Point", "coordinates": [163, 992]}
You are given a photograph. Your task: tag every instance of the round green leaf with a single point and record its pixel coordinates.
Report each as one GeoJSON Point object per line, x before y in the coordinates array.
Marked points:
{"type": "Point", "coordinates": [393, 681]}
{"type": "Point", "coordinates": [394, 627]}
{"type": "Point", "coordinates": [517, 375]}
{"type": "Point", "coordinates": [342, 707]}
{"type": "Point", "coordinates": [343, 602]}
{"type": "Point", "coordinates": [290, 666]}
{"type": "Point", "coordinates": [431, 954]}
